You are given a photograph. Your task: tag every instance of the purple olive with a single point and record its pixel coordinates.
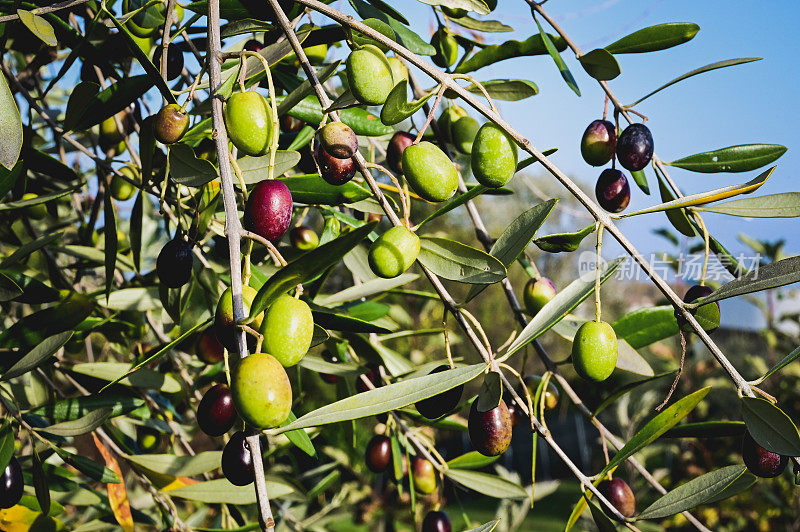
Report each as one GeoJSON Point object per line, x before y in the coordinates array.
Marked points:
{"type": "Point", "coordinates": [11, 484]}
{"type": "Point", "coordinates": [612, 190]}
{"type": "Point", "coordinates": [440, 404]}
{"type": "Point", "coordinates": [635, 147]}
{"type": "Point", "coordinates": [490, 432]}
{"type": "Point", "coordinates": [174, 61]}
{"type": "Point", "coordinates": [174, 263]}
{"type": "Point", "coordinates": [216, 413]}
{"type": "Point", "coordinates": [394, 151]}
{"type": "Point", "coordinates": [378, 455]}
{"type": "Point", "coordinates": [237, 462]}
{"type": "Point", "coordinates": [290, 124]}
{"type": "Point", "coordinates": [620, 495]}
{"type": "Point", "coordinates": [761, 462]}
{"type": "Point", "coordinates": [599, 142]}
{"type": "Point", "coordinates": [333, 170]}
{"type": "Point", "coordinates": [436, 521]}
{"type": "Point", "coordinates": [338, 140]}
{"type": "Point", "coordinates": [269, 209]}
{"type": "Point", "coordinates": [253, 45]}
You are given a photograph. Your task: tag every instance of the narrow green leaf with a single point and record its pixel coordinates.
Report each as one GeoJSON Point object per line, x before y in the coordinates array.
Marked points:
{"type": "Point", "coordinates": [405, 36]}
{"type": "Point", "coordinates": [648, 325]}
{"type": "Point", "coordinates": [701, 70]}
{"type": "Point", "coordinates": [299, 437]}
{"type": "Point", "coordinates": [10, 127]}
{"type": "Point", "coordinates": [221, 491]}
{"type": "Point", "coordinates": [654, 38]}
{"type": "Point", "coordinates": [783, 205]}
{"type": "Point", "coordinates": [459, 200]}
{"type": "Point", "coordinates": [366, 289]}
{"type": "Point", "coordinates": [307, 267]}
{"type": "Point", "coordinates": [677, 217]}
{"type": "Point", "coordinates": [113, 99]}
{"type": "Point", "coordinates": [145, 378]}
{"type": "Point", "coordinates": [487, 484]}
{"type": "Point", "coordinates": [694, 493]}
{"type": "Point", "coordinates": [484, 26]}
{"type": "Point", "coordinates": [37, 355]}
{"type": "Point", "coordinates": [603, 522]}
{"type": "Point", "coordinates": [495, 53]}
{"type": "Point", "coordinates": [40, 484]}
{"type": "Point", "coordinates": [137, 217]}
{"type": "Point", "coordinates": [178, 466]}
{"type": "Point", "coordinates": [44, 198]}
{"type": "Point", "coordinates": [656, 427]}
{"type": "Point", "coordinates": [386, 398]}
{"type": "Point", "coordinates": [313, 190]}
{"type": "Point", "coordinates": [486, 527]}
{"type": "Point", "coordinates": [478, 6]}
{"type": "Point", "coordinates": [472, 460]}
{"type": "Point", "coordinates": [79, 426]}
{"type": "Point", "coordinates": [25, 250]}
{"type": "Point", "coordinates": [706, 429]}
{"type": "Point", "coordinates": [360, 120]}
{"type": "Point", "coordinates": [255, 169]}
{"type": "Point", "coordinates": [39, 27]}
{"type": "Point", "coordinates": [600, 64]}
{"type": "Point", "coordinates": [319, 365]}
{"type": "Point", "coordinates": [88, 467]}
{"type": "Point", "coordinates": [9, 289]}
{"type": "Point", "coordinates": [508, 90]}
{"type": "Point", "coordinates": [788, 359]}
{"type": "Point", "coordinates": [458, 262]}
{"type": "Point", "coordinates": [110, 236]}
{"type": "Point", "coordinates": [743, 483]}
{"type": "Point", "coordinates": [6, 445]}
{"type": "Point", "coordinates": [77, 407]}
{"type": "Point", "coordinates": [563, 242]}
{"type": "Point", "coordinates": [770, 427]}
{"type": "Point", "coordinates": [741, 158]}
{"type": "Point", "coordinates": [305, 89]}
{"type": "Point", "coordinates": [559, 61]}
{"type": "Point", "coordinates": [187, 169]}
{"type": "Point", "coordinates": [778, 273]}
{"type": "Point", "coordinates": [622, 390]}
{"type": "Point", "coordinates": [706, 197]}
{"type": "Point", "coordinates": [566, 300]}
{"type": "Point", "coordinates": [516, 237]}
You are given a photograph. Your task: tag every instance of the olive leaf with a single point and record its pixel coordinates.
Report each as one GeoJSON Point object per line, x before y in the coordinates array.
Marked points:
{"type": "Point", "coordinates": [79, 426]}
{"type": "Point", "coordinates": [648, 325]}
{"type": "Point", "coordinates": [472, 460]}
{"type": "Point", "coordinates": [564, 242]}
{"type": "Point", "coordinates": [600, 64]}
{"type": "Point", "coordinates": [490, 485]}
{"type": "Point", "coordinates": [77, 407]}
{"type": "Point", "coordinates": [741, 158]}
{"type": "Point", "coordinates": [783, 205]}
{"type": "Point", "coordinates": [495, 53]}
{"type": "Point", "coordinates": [119, 372]}
{"type": "Point", "coordinates": [459, 262]}
{"type": "Point", "coordinates": [654, 38]}
{"type": "Point", "coordinates": [707, 429]}
{"type": "Point", "coordinates": [770, 427]}
{"type": "Point", "coordinates": [559, 61]}
{"type": "Point", "coordinates": [188, 169]}
{"type": "Point", "coordinates": [397, 108]}
{"type": "Point", "coordinates": [178, 466]}
{"type": "Point", "coordinates": [221, 491]}
{"type": "Point", "coordinates": [38, 355]}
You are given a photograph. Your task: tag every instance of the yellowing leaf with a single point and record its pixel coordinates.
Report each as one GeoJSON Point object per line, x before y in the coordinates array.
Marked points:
{"type": "Point", "coordinates": [117, 494]}
{"type": "Point", "coordinates": [21, 519]}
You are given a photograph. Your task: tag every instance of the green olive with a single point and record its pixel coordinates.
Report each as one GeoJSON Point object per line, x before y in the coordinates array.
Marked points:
{"type": "Point", "coordinates": [494, 156]}
{"type": "Point", "coordinates": [430, 172]}
{"type": "Point", "coordinates": [446, 48]}
{"type": "Point", "coordinates": [537, 293]}
{"type": "Point", "coordinates": [316, 54]}
{"type": "Point", "coordinates": [288, 327]}
{"type": "Point", "coordinates": [399, 70]}
{"type": "Point", "coordinates": [36, 212]}
{"type": "Point", "coordinates": [594, 351]}
{"type": "Point", "coordinates": [121, 189]}
{"type": "Point", "coordinates": [370, 75]}
{"type": "Point", "coordinates": [463, 132]}
{"type": "Point", "coordinates": [248, 120]}
{"type": "Point", "coordinates": [393, 252]}
{"type": "Point", "coordinates": [224, 324]}
{"type": "Point", "coordinates": [261, 391]}
{"type": "Point", "coordinates": [447, 119]}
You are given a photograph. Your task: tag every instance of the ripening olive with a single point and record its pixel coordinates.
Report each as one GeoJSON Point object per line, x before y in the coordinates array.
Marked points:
{"type": "Point", "coordinates": [436, 521]}
{"type": "Point", "coordinates": [11, 484]}
{"type": "Point", "coordinates": [440, 404]}
{"type": "Point", "coordinates": [620, 495]}
{"type": "Point", "coordinates": [35, 212]}
{"type": "Point", "coordinates": [393, 252]}
{"type": "Point", "coordinates": [635, 147]}
{"type": "Point", "coordinates": [339, 140]}
{"type": "Point", "coordinates": [237, 462]}
{"type": "Point", "coordinates": [288, 327]}
{"type": "Point", "coordinates": [269, 209]}
{"type": "Point", "coordinates": [224, 324]}
{"type": "Point", "coordinates": [761, 462]}
{"type": "Point", "coordinates": [494, 156]}
{"type": "Point", "coordinates": [208, 348]}
{"type": "Point", "coordinates": [537, 293]}
{"type": "Point", "coordinates": [378, 454]}
{"type": "Point", "coordinates": [216, 413]}
{"type": "Point", "coordinates": [594, 351]}
{"type": "Point", "coordinates": [490, 432]}
{"type": "Point", "coordinates": [261, 391]}
{"type": "Point", "coordinates": [170, 124]}
{"type": "Point", "coordinates": [303, 238]}
{"type": "Point", "coordinates": [290, 124]}
{"type": "Point", "coordinates": [463, 131]}
{"type": "Point", "coordinates": [333, 170]}
{"type": "Point", "coordinates": [394, 151]}
{"type": "Point", "coordinates": [612, 190]}
{"type": "Point", "coordinates": [424, 475]}
{"type": "Point", "coordinates": [446, 48]}
{"type": "Point", "coordinates": [708, 315]}
{"type": "Point", "coordinates": [174, 263]}
{"type": "Point", "coordinates": [248, 120]}
{"type": "Point", "coordinates": [370, 75]}
{"type": "Point", "coordinates": [253, 45]}
{"type": "Point", "coordinates": [431, 174]}
{"type": "Point", "coordinates": [599, 142]}
{"type": "Point", "coordinates": [550, 393]}
{"type": "Point", "coordinates": [122, 189]}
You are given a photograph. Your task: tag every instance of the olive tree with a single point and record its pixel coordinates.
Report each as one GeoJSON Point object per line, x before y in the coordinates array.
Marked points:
{"type": "Point", "coordinates": [213, 261]}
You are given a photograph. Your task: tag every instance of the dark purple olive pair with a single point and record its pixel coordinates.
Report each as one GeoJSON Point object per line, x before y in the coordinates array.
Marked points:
{"type": "Point", "coordinates": [216, 413]}
{"type": "Point", "coordinates": [269, 209]}
{"type": "Point", "coordinates": [334, 151]}
{"type": "Point", "coordinates": [174, 263]}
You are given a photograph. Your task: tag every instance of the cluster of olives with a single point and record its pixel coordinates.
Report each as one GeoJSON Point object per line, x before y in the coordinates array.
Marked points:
{"type": "Point", "coordinates": [633, 149]}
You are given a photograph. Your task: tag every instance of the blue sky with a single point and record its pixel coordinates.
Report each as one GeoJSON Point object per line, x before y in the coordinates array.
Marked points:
{"type": "Point", "coordinates": [752, 103]}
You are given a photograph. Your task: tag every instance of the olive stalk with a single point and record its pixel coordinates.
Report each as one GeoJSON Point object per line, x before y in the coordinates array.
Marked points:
{"type": "Point", "coordinates": [233, 232]}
